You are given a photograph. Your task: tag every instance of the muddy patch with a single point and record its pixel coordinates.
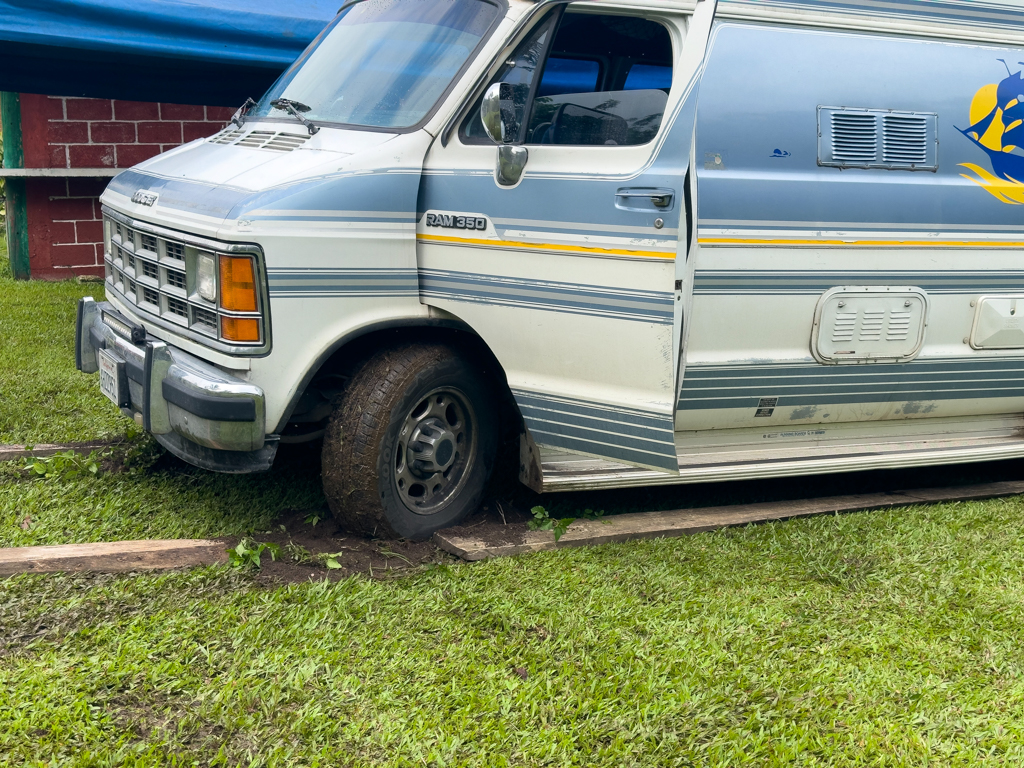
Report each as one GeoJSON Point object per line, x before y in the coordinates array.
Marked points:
{"type": "Point", "coordinates": [312, 546]}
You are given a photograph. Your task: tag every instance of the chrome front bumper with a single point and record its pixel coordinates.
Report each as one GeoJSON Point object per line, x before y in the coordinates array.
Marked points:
{"type": "Point", "coordinates": [199, 413]}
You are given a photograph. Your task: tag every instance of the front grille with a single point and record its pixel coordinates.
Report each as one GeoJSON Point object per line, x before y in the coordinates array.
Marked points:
{"type": "Point", "coordinates": [204, 317]}
{"type": "Point", "coordinates": [176, 278]}
{"type": "Point", "coordinates": [177, 307]}
{"type": "Point", "coordinates": [156, 274]}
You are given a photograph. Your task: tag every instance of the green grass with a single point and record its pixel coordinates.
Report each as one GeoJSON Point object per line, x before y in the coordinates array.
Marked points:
{"type": "Point", "coordinates": [882, 639]}
{"type": "Point", "coordinates": [43, 399]}
{"type": "Point", "coordinates": [175, 501]}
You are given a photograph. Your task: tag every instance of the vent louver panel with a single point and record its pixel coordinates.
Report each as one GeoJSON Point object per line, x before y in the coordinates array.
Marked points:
{"type": "Point", "coordinates": [877, 138]}
{"type": "Point", "coordinates": [854, 138]}
{"type": "Point", "coordinates": [227, 136]}
{"type": "Point", "coordinates": [905, 139]}
{"type": "Point", "coordinates": [278, 141]}
{"type": "Point", "coordinates": [858, 324]}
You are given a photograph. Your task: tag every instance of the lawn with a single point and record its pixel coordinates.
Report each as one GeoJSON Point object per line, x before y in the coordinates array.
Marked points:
{"type": "Point", "coordinates": [884, 638]}
{"type": "Point", "coordinates": [42, 397]}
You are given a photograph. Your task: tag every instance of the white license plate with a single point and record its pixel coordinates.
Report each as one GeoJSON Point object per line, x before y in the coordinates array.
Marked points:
{"type": "Point", "coordinates": [112, 377]}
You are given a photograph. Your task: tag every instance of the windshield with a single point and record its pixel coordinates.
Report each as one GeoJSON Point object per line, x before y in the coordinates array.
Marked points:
{"type": "Point", "coordinates": [382, 63]}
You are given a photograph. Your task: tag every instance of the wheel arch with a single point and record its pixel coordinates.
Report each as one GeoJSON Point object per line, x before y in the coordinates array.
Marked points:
{"type": "Point", "coordinates": [357, 345]}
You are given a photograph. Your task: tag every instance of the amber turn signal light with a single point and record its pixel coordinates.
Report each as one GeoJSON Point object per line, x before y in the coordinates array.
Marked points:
{"type": "Point", "coordinates": [237, 284]}
{"type": "Point", "coordinates": [240, 328]}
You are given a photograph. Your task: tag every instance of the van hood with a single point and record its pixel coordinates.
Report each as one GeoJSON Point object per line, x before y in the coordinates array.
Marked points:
{"type": "Point", "coordinates": [262, 155]}
{"type": "Point", "coordinates": [274, 164]}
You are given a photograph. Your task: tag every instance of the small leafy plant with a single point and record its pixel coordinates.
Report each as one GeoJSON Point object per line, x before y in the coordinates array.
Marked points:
{"type": "Point", "coordinates": [247, 553]}
{"type": "Point", "coordinates": [313, 518]}
{"type": "Point", "coordinates": [66, 465]}
{"type": "Point", "coordinates": [330, 560]}
{"type": "Point", "coordinates": [297, 553]}
{"type": "Point", "coordinates": [542, 521]}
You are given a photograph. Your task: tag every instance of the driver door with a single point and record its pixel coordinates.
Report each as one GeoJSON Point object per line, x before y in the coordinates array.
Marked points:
{"type": "Point", "coordinates": [569, 274]}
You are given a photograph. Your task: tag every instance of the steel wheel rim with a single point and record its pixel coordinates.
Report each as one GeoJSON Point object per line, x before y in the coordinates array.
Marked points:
{"type": "Point", "coordinates": [435, 450]}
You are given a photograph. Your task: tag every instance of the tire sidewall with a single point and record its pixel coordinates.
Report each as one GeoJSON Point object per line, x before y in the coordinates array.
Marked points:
{"type": "Point", "coordinates": [453, 373]}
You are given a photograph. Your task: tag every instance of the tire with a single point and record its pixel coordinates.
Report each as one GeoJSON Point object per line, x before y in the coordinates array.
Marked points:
{"type": "Point", "coordinates": [411, 443]}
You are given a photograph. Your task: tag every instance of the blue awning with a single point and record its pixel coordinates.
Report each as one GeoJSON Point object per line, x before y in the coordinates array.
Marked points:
{"type": "Point", "coordinates": [187, 51]}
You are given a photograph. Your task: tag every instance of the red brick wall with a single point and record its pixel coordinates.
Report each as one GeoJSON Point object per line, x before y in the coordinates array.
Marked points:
{"type": "Point", "coordinates": [65, 235]}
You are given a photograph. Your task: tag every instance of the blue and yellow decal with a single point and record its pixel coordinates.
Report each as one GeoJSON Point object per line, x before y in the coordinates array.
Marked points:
{"type": "Point", "coordinates": [997, 128]}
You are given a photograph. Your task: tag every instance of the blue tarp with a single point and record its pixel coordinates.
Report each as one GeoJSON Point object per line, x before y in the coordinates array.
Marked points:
{"type": "Point", "coordinates": [187, 51]}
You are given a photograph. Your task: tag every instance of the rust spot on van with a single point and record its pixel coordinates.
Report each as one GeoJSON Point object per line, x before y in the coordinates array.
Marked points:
{"type": "Point", "coordinates": [805, 412]}
{"type": "Point", "coordinates": [915, 407]}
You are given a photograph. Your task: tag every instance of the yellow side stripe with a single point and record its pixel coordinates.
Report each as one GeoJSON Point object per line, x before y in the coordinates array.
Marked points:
{"type": "Point", "coordinates": [545, 246]}
{"type": "Point", "coordinates": [875, 243]}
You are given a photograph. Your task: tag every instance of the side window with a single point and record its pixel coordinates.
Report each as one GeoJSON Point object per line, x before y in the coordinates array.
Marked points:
{"type": "Point", "coordinates": [563, 75]}
{"type": "Point", "coordinates": [604, 81]}
{"type": "Point", "coordinates": [519, 70]}
{"type": "Point", "coordinates": [648, 76]}
{"type": "Point", "coordinates": [628, 62]}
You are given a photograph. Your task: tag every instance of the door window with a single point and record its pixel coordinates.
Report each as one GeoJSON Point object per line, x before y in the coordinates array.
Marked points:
{"type": "Point", "coordinates": [604, 81]}
{"type": "Point", "coordinates": [562, 75]}
{"type": "Point", "coordinates": [519, 70]}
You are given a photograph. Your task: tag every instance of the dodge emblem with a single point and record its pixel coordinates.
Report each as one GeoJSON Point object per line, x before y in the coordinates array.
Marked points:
{"type": "Point", "coordinates": [144, 197]}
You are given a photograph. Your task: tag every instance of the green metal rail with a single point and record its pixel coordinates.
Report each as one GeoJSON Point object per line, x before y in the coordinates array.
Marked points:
{"type": "Point", "coordinates": [17, 205]}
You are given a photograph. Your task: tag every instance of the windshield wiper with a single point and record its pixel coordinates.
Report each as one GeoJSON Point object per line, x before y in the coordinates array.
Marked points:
{"type": "Point", "coordinates": [296, 108]}
{"type": "Point", "coordinates": [240, 112]}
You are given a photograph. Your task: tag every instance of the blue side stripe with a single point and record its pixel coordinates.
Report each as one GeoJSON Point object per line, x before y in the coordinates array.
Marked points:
{"type": "Point", "coordinates": [801, 282]}
{"type": "Point", "coordinates": [759, 371]}
{"type": "Point", "coordinates": [309, 283]}
{"type": "Point", "coordinates": [577, 298]}
{"type": "Point", "coordinates": [743, 386]}
{"type": "Point", "coordinates": [299, 216]}
{"type": "Point", "coordinates": [625, 434]}
{"type": "Point", "coordinates": [626, 456]}
{"type": "Point", "coordinates": [652, 421]}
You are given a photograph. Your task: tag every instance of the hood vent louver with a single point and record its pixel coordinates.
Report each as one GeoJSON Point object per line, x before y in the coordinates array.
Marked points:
{"type": "Point", "coordinates": [277, 141]}
{"type": "Point", "coordinates": [877, 138]}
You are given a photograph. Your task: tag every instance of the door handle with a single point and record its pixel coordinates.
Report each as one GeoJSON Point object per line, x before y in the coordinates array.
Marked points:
{"type": "Point", "coordinates": [644, 198]}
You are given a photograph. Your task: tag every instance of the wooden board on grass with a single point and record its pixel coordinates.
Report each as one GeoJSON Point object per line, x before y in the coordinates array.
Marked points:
{"type": "Point", "coordinates": [516, 539]}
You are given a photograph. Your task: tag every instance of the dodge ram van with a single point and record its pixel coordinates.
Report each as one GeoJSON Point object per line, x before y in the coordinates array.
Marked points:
{"type": "Point", "coordinates": [680, 241]}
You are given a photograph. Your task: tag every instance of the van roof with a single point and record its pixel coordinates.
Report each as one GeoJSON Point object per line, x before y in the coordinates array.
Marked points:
{"type": "Point", "coordinates": [986, 21]}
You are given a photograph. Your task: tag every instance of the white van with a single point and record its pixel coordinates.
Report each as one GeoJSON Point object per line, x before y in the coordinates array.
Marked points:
{"type": "Point", "coordinates": [676, 241]}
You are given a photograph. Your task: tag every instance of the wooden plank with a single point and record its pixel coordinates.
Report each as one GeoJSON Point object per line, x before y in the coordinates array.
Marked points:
{"type": "Point", "coordinates": [11, 452]}
{"type": "Point", "coordinates": [113, 557]}
{"type": "Point", "coordinates": [517, 539]}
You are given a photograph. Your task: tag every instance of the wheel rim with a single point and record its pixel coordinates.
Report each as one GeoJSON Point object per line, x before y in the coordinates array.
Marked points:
{"type": "Point", "coordinates": [434, 451]}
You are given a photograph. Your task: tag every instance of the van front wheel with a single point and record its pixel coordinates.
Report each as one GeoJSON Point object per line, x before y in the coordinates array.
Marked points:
{"type": "Point", "coordinates": [411, 443]}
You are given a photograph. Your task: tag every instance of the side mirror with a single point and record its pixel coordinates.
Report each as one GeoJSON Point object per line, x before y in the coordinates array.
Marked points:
{"type": "Point", "coordinates": [498, 113]}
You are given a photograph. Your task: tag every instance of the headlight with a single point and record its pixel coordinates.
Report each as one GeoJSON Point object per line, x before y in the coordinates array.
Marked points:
{"type": "Point", "coordinates": [206, 276]}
